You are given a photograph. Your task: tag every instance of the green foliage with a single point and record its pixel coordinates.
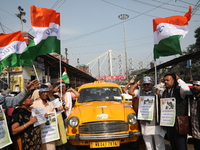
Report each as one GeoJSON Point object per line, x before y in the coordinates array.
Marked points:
{"type": "Point", "coordinates": [197, 36]}
{"type": "Point", "coordinates": [195, 61]}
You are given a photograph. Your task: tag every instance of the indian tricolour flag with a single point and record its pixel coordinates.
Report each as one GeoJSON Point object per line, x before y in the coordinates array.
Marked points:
{"type": "Point", "coordinates": [167, 32]}
{"type": "Point", "coordinates": [11, 46]}
{"type": "Point", "coordinates": [46, 24]}
{"type": "Point", "coordinates": [65, 77]}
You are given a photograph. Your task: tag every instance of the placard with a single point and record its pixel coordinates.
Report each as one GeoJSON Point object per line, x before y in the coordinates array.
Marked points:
{"type": "Point", "coordinates": [39, 113]}
{"type": "Point", "coordinates": [56, 102]}
{"type": "Point", "coordinates": [146, 107]}
{"type": "Point", "coordinates": [50, 129]}
{"type": "Point", "coordinates": [5, 139]}
{"type": "Point", "coordinates": [168, 111]}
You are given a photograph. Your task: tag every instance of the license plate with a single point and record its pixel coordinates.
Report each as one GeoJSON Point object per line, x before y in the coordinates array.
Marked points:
{"type": "Point", "coordinates": [104, 144]}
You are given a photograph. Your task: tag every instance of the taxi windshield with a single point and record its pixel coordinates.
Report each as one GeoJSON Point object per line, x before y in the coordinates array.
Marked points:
{"type": "Point", "coordinates": [100, 94]}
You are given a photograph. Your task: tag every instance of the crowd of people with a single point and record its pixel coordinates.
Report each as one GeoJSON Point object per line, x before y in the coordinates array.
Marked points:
{"type": "Point", "coordinates": [176, 93]}
{"type": "Point", "coordinates": [172, 93]}
{"type": "Point", "coordinates": [24, 133]}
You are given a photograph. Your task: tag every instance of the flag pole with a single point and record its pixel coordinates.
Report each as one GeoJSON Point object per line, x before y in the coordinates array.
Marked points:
{"type": "Point", "coordinates": [60, 75]}
{"type": "Point", "coordinates": [155, 67]}
{"type": "Point", "coordinates": [35, 71]}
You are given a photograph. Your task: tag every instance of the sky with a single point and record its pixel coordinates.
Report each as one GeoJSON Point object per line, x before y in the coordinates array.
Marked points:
{"type": "Point", "coordinates": [89, 28]}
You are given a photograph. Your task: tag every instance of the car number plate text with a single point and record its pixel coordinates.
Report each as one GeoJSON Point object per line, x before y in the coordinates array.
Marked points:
{"type": "Point", "coordinates": [104, 144]}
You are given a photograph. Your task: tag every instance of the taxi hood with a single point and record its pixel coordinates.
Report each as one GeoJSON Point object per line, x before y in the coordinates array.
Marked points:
{"type": "Point", "coordinates": [101, 111]}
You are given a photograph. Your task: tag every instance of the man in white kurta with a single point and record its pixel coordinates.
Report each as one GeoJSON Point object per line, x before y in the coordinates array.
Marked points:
{"type": "Point", "coordinates": [150, 129]}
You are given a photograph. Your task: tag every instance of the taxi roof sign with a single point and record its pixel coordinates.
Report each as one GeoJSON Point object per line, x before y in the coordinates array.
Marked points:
{"type": "Point", "coordinates": [99, 81]}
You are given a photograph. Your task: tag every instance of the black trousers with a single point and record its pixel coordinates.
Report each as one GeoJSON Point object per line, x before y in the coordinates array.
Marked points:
{"type": "Point", "coordinates": [177, 141]}
{"type": "Point", "coordinates": [196, 144]}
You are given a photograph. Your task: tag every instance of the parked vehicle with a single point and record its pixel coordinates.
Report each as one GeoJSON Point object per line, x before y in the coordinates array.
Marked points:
{"type": "Point", "coordinates": [102, 118]}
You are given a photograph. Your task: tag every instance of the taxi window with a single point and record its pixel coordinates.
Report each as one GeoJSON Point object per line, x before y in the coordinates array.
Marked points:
{"type": "Point", "coordinates": [100, 94]}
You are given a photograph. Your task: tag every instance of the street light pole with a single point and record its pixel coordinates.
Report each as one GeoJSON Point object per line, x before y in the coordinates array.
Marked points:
{"type": "Point", "coordinates": [20, 15]}
{"type": "Point", "coordinates": [124, 17]}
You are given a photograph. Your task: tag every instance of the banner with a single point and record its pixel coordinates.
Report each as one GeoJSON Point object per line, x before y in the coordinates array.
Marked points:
{"type": "Point", "coordinates": [4, 132]}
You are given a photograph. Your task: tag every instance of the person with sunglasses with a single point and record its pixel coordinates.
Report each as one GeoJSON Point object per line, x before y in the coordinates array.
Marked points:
{"type": "Point", "coordinates": [195, 115]}
{"type": "Point", "coordinates": [152, 133]}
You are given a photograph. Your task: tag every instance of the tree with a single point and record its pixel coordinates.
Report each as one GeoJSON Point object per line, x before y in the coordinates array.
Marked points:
{"type": "Point", "coordinates": [197, 36]}
{"type": "Point", "coordinates": [194, 48]}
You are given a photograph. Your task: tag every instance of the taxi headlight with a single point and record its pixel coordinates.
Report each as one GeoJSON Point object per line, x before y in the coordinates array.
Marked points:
{"type": "Point", "coordinates": [132, 119]}
{"type": "Point", "coordinates": [73, 121]}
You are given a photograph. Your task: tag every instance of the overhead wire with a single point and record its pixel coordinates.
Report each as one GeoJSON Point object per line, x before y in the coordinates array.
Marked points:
{"type": "Point", "coordinates": [147, 11]}
{"type": "Point", "coordinates": [110, 43]}
{"type": "Point", "coordinates": [127, 8]}
{"type": "Point", "coordinates": [82, 36]}
{"type": "Point", "coordinates": [185, 2]}
{"type": "Point", "coordinates": [61, 4]}
{"type": "Point", "coordinates": [117, 48]}
{"type": "Point", "coordinates": [85, 35]}
{"type": "Point", "coordinates": [160, 7]}
{"type": "Point", "coordinates": [8, 12]}
{"type": "Point", "coordinates": [141, 13]}
{"type": "Point", "coordinates": [55, 4]}
{"type": "Point", "coordinates": [196, 7]}
{"type": "Point", "coordinates": [2, 26]}
{"type": "Point", "coordinates": [7, 28]}
{"type": "Point", "coordinates": [170, 4]}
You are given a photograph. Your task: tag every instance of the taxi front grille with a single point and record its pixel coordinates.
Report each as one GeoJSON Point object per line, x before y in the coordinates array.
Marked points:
{"type": "Point", "coordinates": [103, 127]}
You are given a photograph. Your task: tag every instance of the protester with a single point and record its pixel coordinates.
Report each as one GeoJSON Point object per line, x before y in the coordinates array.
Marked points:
{"type": "Point", "coordinates": [152, 133]}
{"type": "Point", "coordinates": [67, 94]}
{"type": "Point", "coordinates": [60, 144]}
{"type": "Point", "coordinates": [126, 88]}
{"type": "Point", "coordinates": [26, 136]}
{"type": "Point", "coordinates": [134, 99]}
{"type": "Point", "coordinates": [49, 107]}
{"type": "Point", "coordinates": [8, 102]}
{"type": "Point", "coordinates": [195, 115]}
{"type": "Point", "coordinates": [178, 89]}
{"type": "Point", "coordinates": [5, 90]}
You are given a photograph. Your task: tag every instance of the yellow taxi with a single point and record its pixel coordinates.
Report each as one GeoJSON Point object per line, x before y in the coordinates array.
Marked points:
{"type": "Point", "coordinates": [102, 118]}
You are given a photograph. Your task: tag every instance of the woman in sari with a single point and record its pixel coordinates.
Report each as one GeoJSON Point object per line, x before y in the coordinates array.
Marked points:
{"type": "Point", "coordinates": [26, 136]}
